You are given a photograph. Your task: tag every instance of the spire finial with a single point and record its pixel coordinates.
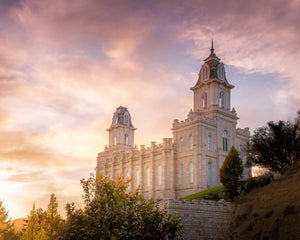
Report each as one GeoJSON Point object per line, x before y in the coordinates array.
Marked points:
{"type": "Point", "coordinates": [212, 47]}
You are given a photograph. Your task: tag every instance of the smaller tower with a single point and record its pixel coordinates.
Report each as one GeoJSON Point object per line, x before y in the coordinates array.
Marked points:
{"type": "Point", "coordinates": [121, 130]}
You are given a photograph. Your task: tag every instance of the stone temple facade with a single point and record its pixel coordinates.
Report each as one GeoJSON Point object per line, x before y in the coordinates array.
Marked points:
{"type": "Point", "coordinates": [190, 161]}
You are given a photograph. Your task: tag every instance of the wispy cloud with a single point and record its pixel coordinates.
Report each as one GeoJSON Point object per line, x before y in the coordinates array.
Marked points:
{"type": "Point", "coordinates": [65, 67]}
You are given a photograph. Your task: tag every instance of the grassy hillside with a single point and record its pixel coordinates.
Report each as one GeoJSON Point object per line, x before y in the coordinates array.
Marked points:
{"type": "Point", "coordinates": [270, 212]}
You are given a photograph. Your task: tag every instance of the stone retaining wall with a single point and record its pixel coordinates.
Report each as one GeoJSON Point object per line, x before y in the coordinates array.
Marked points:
{"type": "Point", "coordinates": [203, 219]}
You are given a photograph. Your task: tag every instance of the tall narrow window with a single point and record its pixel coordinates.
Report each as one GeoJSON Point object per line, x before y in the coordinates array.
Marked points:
{"type": "Point", "coordinates": [137, 178]}
{"type": "Point", "coordinates": [241, 151]}
{"type": "Point", "coordinates": [126, 119]}
{"type": "Point", "coordinates": [209, 175]}
{"type": "Point", "coordinates": [191, 173]}
{"type": "Point", "coordinates": [126, 139]}
{"type": "Point", "coordinates": [180, 144]}
{"type": "Point", "coordinates": [204, 100]}
{"type": "Point", "coordinates": [191, 141]}
{"type": "Point", "coordinates": [181, 174]}
{"type": "Point", "coordinates": [115, 140]}
{"type": "Point", "coordinates": [159, 175]}
{"type": "Point", "coordinates": [225, 141]}
{"type": "Point", "coordinates": [148, 177]}
{"type": "Point", "coordinates": [221, 100]}
{"type": "Point", "coordinates": [209, 142]}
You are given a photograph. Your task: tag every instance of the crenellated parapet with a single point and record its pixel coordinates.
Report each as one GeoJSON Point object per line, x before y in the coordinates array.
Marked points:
{"type": "Point", "coordinates": [243, 132]}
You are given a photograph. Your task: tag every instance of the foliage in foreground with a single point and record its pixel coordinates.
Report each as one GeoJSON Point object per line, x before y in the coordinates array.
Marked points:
{"type": "Point", "coordinates": [111, 212]}
{"type": "Point", "coordinates": [231, 172]}
{"type": "Point", "coordinates": [6, 227]}
{"type": "Point", "coordinates": [276, 146]}
{"type": "Point", "coordinates": [43, 225]}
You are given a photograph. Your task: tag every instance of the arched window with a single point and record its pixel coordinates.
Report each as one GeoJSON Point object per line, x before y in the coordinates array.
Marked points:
{"type": "Point", "coordinates": [208, 142]}
{"type": "Point", "coordinates": [137, 178]}
{"type": "Point", "coordinates": [221, 73]}
{"type": "Point", "coordinates": [148, 177]}
{"type": "Point", "coordinates": [126, 139]}
{"type": "Point", "coordinates": [221, 100]}
{"type": "Point", "coordinates": [126, 119]}
{"type": "Point", "coordinates": [159, 175]}
{"type": "Point", "coordinates": [180, 144]}
{"type": "Point", "coordinates": [225, 141]}
{"type": "Point", "coordinates": [204, 100]}
{"type": "Point", "coordinates": [205, 73]}
{"type": "Point", "coordinates": [181, 174]}
{"type": "Point", "coordinates": [191, 173]}
{"type": "Point", "coordinates": [209, 175]}
{"type": "Point", "coordinates": [191, 141]}
{"type": "Point", "coordinates": [115, 140]}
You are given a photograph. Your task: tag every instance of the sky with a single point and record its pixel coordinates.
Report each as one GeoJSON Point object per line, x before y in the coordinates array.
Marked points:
{"type": "Point", "coordinates": [65, 66]}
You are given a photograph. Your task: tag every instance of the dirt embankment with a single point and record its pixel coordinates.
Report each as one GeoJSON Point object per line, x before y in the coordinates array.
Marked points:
{"type": "Point", "coordinates": [271, 212]}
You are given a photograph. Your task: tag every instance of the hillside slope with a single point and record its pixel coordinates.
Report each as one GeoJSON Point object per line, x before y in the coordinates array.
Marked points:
{"type": "Point", "coordinates": [270, 212]}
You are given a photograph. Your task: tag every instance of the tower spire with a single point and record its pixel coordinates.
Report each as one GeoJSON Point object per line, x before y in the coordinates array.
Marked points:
{"type": "Point", "coordinates": [212, 47]}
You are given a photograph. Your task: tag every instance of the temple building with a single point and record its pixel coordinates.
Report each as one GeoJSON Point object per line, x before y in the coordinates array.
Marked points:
{"type": "Point", "coordinates": [190, 161]}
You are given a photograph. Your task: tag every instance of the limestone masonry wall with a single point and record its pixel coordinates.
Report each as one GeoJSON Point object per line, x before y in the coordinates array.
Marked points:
{"type": "Point", "coordinates": [203, 219]}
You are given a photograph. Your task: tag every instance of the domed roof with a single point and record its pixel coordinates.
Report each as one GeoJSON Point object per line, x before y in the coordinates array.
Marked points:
{"type": "Point", "coordinates": [212, 70]}
{"type": "Point", "coordinates": [121, 117]}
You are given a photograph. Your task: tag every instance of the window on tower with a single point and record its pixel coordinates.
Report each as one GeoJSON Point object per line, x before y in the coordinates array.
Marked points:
{"type": "Point", "coordinates": [180, 144]}
{"type": "Point", "coordinates": [191, 141]}
{"type": "Point", "coordinates": [204, 100]}
{"type": "Point", "coordinates": [221, 100]}
{"type": "Point", "coordinates": [115, 140]}
{"type": "Point", "coordinates": [209, 142]}
{"type": "Point", "coordinates": [126, 119]}
{"type": "Point", "coordinates": [126, 139]}
{"type": "Point", "coordinates": [225, 141]}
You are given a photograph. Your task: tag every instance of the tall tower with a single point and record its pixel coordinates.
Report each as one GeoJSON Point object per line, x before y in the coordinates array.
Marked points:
{"type": "Point", "coordinates": [121, 131]}
{"type": "Point", "coordinates": [212, 90]}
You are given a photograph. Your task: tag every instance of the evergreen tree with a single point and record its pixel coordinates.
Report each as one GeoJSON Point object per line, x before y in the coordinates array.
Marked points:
{"type": "Point", "coordinates": [53, 220]}
{"type": "Point", "coordinates": [6, 227]}
{"type": "Point", "coordinates": [34, 230]}
{"type": "Point", "coordinates": [231, 171]}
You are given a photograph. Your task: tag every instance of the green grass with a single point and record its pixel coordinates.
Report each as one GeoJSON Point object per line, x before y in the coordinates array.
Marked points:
{"type": "Point", "coordinates": [204, 193]}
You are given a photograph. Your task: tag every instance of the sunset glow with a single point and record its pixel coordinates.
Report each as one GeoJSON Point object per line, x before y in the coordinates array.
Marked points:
{"type": "Point", "coordinates": [65, 66]}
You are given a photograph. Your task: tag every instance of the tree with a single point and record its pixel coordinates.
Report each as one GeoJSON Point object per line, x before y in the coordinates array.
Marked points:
{"type": "Point", "coordinates": [231, 171]}
{"type": "Point", "coordinates": [53, 220]}
{"type": "Point", "coordinates": [6, 227]}
{"type": "Point", "coordinates": [276, 146]}
{"type": "Point", "coordinates": [43, 225]}
{"type": "Point", "coordinates": [34, 229]}
{"type": "Point", "coordinates": [110, 211]}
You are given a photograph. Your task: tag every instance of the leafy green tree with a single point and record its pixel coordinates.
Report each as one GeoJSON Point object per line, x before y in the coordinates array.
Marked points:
{"type": "Point", "coordinates": [111, 212]}
{"type": "Point", "coordinates": [231, 171]}
{"type": "Point", "coordinates": [6, 227]}
{"type": "Point", "coordinates": [276, 146]}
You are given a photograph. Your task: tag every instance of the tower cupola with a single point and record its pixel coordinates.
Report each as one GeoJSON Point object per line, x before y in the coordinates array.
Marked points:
{"type": "Point", "coordinates": [212, 90]}
{"type": "Point", "coordinates": [121, 130]}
